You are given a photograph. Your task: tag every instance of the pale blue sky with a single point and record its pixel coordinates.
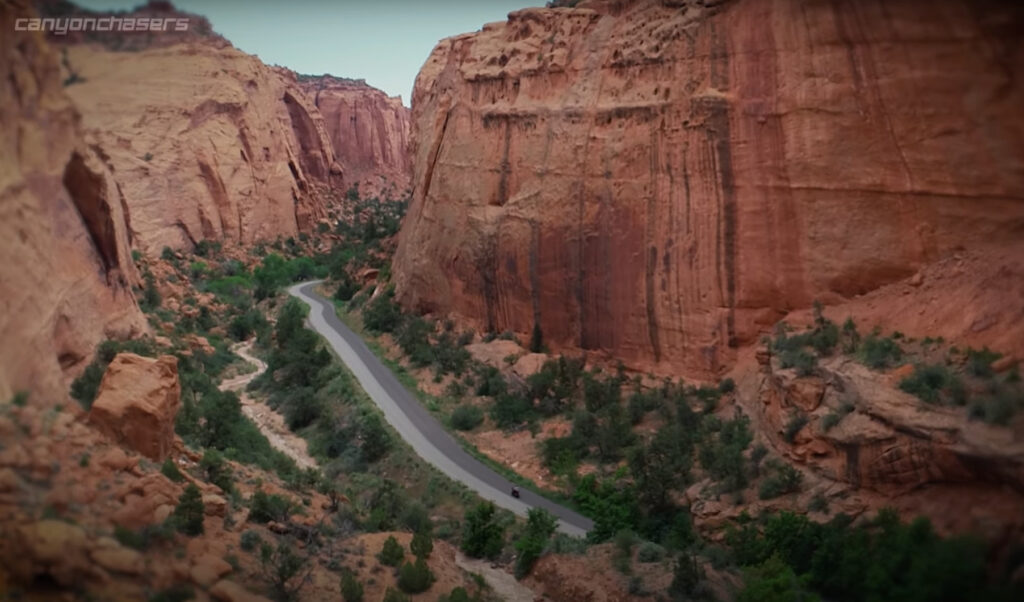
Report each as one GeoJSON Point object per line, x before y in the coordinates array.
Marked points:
{"type": "Point", "coordinates": [384, 42]}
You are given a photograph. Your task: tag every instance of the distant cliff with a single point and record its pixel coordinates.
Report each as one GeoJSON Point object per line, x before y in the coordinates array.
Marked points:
{"type": "Point", "coordinates": [369, 132]}
{"type": "Point", "coordinates": [206, 142]}
{"type": "Point", "coordinates": [664, 180]}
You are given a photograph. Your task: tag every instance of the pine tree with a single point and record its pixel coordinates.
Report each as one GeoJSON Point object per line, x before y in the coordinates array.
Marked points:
{"type": "Point", "coordinates": [421, 544]}
{"type": "Point", "coordinates": [188, 516]}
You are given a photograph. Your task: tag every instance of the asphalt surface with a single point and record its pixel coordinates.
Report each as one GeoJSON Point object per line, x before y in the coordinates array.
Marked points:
{"type": "Point", "coordinates": [417, 426]}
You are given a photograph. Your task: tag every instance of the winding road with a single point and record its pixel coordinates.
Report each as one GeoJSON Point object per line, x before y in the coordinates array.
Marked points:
{"type": "Point", "coordinates": [416, 425]}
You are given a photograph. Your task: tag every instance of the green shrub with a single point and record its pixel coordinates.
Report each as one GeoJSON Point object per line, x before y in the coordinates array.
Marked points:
{"type": "Point", "coordinates": [685, 578]}
{"type": "Point", "coordinates": [459, 594]}
{"type": "Point", "coordinates": [150, 295]}
{"type": "Point", "coordinates": [796, 422]}
{"type": "Point", "coordinates": [650, 552]}
{"type": "Point", "coordinates": [206, 248]}
{"type": "Point", "coordinates": [882, 559]}
{"type": "Point", "coordinates": [818, 503]}
{"type": "Point", "coordinates": [830, 420]}
{"type": "Point", "coordinates": [540, 525]}
{"type": "Point", "coordinates": [282, 568]}
{"type": "Point", "coordinates": [393, 595]}
{"type": "Point", "coordinates": [374, 440]}
{"type": "Point", "coordinates": [351, 588]}
{"type": "Point", "coordinates": [265, 507]}
{"type": "Point", "coordinates": [825, 335]}
{"type": "Point", "coordinates": [347, 288]}
{"type": "Point", "coordinates": [87, 385]}
{"type": "Point", "coordinates": [728, 385]}
{"type": "Point", "coordinates": [998, 407]}
{"type": "Point", "coordinates": [466, 417]}
{"type": "Point", "coordinates": [782, 479]}
{"type": "Point", "coordinates": [801, 360]}
{"type": "Point", "coordinates": [416, 518]}
{"type": "Point", "coordinates": [381, 314]}
{"type": "Point", "coordinates": [563, 454]}
{"type": "Point", "coordinates": [774, 581]}
{"type": "Point", "coordinates": [170, 470]}
{"type": "Point", "coordinates": [511, 409]}
{"type": "Point", "coordinates": [250, 541]}
{"type": "Point", "coordinates": [421, 545]}
{"type": "Point", "coordinates": [934, 383]}
{"type": "Point", "coordinates": [980, 362]}
{"type": "Point", "coordinates": [144, 537]}
{"type": "Point", "coordinates": [416, 577]}
{"type": "Point", "coordinates": [302, 409]}
{"type": "Point", "coordinates": [879, 352]}
{"type": "Point", "coordinates": [483, 535]}
{"type": "Point", "coordinates": [217, 470]}
{"type": "Point", "coordinates": [721, 454]}
{"type": "Point", "coordinates": [167, 254]}
{"type": "Point", "coordinates": [247, 324]}
{"type": "Point", "coordinates": [392, 553]}
{"type": "Point", "coordinates": [190, 511]}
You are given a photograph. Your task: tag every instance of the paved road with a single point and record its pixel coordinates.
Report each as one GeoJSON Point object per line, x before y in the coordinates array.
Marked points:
{"type": "Point", "coordinates": [416, 425]}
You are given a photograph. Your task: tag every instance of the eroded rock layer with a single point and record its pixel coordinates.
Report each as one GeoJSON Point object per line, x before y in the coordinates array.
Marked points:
{"type": "Point", "coordinates": [206, 142]}
{"type": "Point", "coordinates": [66, 270]}
{"type": "Point", "coordinates": [663, 180]}
{"type": "Point", "coordinates": [369, 132]}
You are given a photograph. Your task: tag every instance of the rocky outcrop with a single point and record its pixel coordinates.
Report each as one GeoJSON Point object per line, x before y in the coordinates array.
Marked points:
{"type": "Point", "coordinates": [206, 142]}
{"type": "Point", "coordinates": [858, 429]}
{"type": "Point", "coordinates": [66, 272]}
{"type": "Point", "coordinates": [662, 181]}
{"type": "Point", "coordinates": [369, 132]}
{"type": "Point", "coordinates": [885, 440]}
{"type": "Point", "coordinates": [137, 402]}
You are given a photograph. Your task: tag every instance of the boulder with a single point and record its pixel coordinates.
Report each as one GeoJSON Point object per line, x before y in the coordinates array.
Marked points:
{"type": "Point", "coordinates": [53, 548]}
{"type": "Point", "coordinates": [137, 402]}
{"type": "Point", "coordinates": [116, 558]}
{"type": "Point", "coordinates": [207, 569]}
{"type": "Point", "coordinates": [229, 591]}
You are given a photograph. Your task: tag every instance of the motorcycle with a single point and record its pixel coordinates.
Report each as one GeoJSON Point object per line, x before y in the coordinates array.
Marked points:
{"type": "Point", "coordinates": [515, 492]}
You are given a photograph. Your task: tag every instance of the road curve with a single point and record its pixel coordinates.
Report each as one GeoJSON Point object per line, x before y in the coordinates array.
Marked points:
{"type": "Point", "coordinates": [416, 425]}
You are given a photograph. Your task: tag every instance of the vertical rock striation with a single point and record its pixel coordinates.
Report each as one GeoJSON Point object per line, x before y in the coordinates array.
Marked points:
{"type": "Point", "coordinates": [369, 132]}
{"type": "Point", "coordinates": [206, 142]}
{"type": "Point", "coordinates": [662, 180]}
{"type": "Point", "coordinates": [66, 272]}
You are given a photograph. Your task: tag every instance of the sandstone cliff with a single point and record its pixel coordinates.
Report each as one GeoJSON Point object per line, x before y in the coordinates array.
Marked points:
{"type": "Point", "coordinates": [663, 180]}
{"type": "Point", "coordinates": [65, 265]}
{"type": "Point", "coordinates": [206, 142]}
{"type": "Point", "coordinates": [369, 132]}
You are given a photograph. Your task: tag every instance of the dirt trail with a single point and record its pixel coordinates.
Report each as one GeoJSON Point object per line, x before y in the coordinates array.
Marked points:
{"type": "Point", "coordinates": [270, 423]}
{"type": "Point", "coordinates": [503, 584]}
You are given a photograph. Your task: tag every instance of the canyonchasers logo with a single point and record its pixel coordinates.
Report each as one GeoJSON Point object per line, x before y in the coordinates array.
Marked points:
{"type": "Point", "coordinates": [62, 25]}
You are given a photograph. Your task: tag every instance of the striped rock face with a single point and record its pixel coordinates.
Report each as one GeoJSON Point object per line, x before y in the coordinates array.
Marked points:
{"type": "Point", "coordinates": [662, 182]}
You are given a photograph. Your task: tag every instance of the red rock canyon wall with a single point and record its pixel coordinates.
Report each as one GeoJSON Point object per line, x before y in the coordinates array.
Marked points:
{"type": "Point", "coordinates": [369, 132]}
{"type": "Point", "coordinates": [66, 270]}
{"type": "Point", "coordinates": [663, 180]}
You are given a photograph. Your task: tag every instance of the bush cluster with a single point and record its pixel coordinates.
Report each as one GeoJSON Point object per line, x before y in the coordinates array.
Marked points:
{"type": "Point", "coordinates": [904, 561]}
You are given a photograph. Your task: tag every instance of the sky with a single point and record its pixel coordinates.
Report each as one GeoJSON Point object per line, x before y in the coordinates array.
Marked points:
{"type": "Point", "coordinates": [384, 42]}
